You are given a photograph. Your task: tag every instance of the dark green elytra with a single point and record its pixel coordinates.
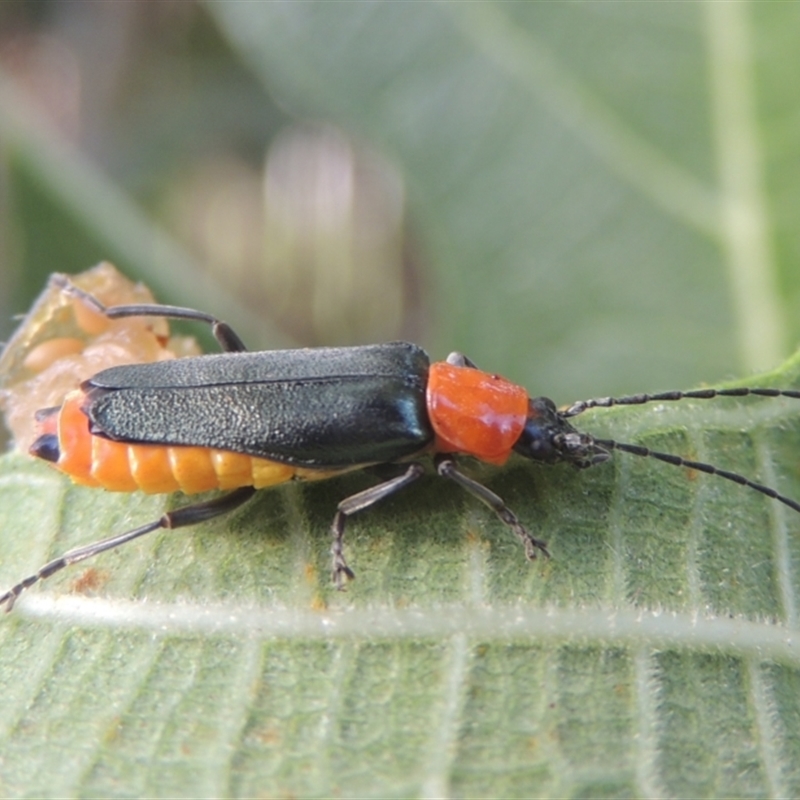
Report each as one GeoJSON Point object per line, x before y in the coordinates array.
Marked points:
{"type": "Point", "coordinates": [322, 407]}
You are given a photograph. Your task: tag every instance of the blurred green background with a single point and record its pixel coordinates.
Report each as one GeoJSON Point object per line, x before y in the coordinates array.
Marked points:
{"type": "Point", "coordinates": [591, 198]}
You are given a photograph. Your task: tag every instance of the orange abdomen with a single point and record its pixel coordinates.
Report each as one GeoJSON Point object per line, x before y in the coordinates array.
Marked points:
{"type": "Point", "coordinates": [156, 469]}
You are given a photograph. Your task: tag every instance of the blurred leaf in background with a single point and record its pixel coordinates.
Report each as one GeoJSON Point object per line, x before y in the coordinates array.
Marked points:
{"type": "Point", "coordinates": [596, 176]}
{"type": "Point", "coordinates": [590, 198]}
{"type": "Point", "coordinates": [308, 231]}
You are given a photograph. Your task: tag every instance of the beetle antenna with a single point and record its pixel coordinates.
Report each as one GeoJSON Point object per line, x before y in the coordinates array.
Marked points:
{"type": "Point", "coordinates": [695, 394]}
{"type": "Point", "coordinates": [709, 469]}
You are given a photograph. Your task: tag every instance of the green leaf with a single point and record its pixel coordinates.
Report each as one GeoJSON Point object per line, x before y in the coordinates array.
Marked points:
{"type": "Point", "coordinates": [653, 652]}
{"type": "Point", "coordinates": [605, 195]}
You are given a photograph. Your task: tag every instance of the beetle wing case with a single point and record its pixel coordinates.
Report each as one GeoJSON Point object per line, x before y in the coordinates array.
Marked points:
{"type": "Point", "coordinates": [321, 407]}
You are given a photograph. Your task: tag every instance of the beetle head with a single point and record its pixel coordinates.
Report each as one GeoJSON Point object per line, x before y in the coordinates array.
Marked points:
{"type": "Point", "coordinates": [549, 438]}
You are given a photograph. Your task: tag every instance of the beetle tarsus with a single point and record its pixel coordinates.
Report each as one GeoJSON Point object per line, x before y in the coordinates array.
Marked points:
{"type": "Point", "coordinates": [340, 572]}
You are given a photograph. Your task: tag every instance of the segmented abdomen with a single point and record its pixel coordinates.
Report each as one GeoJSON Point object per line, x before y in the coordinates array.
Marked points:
{"type": "Point", "coordinates": [156, 469]}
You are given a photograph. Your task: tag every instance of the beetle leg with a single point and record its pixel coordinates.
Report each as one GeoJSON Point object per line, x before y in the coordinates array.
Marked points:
{"type": "Point", "coordinates": [228, 339]}
{"type": "Point", "coordinates": [446, 467]}
{"type": "Point", "coordinates": [179, 518]}
{"type": "Point", "coordinates": [358, 502]}
{"type": "Point", "coordinates": [456, 359]}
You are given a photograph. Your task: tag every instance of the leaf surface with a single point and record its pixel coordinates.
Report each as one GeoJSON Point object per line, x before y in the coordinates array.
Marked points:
{"type": "Point", "coordinates": [652, 653]}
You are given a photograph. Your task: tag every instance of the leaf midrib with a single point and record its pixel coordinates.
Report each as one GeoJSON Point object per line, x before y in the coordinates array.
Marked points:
{"type": "Point", "coordinates": [622, 626]}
